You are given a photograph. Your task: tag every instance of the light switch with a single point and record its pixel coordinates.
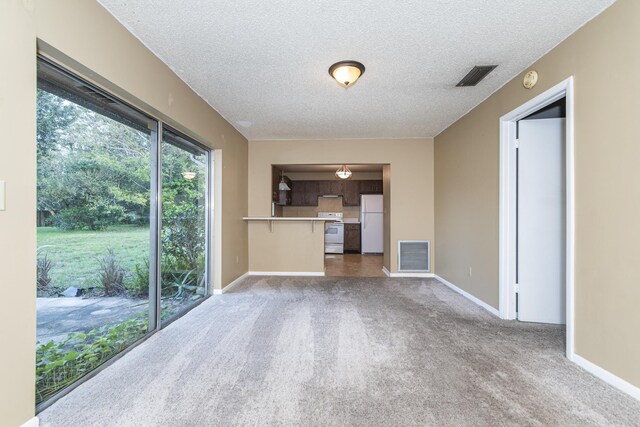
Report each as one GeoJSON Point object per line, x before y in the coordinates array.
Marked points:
{"type": "Point", "coordinates": [2, 193]}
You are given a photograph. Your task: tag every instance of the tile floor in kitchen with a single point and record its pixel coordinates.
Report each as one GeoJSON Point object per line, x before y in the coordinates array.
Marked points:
{"type": "Point", "coordinates": [353, 265]}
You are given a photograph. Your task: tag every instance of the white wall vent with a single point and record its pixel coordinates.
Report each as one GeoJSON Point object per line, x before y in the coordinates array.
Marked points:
{"type": "Point", "coordinates": [414, 256]}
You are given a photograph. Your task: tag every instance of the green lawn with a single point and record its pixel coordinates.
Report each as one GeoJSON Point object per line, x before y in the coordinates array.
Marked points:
{"type": "Point", "coordinates": [76, 253]}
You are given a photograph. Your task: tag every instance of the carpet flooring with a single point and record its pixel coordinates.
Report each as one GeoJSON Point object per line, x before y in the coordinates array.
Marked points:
{"type": "Point", "coordinates": [344, 351]}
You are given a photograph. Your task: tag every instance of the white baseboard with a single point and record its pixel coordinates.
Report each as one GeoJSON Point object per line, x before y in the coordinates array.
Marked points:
{"type": "Point", "coordinates": [417, 275]}
{"type": "Point", "coordinates": [607, 376]}
{"type": "Point", "coordinates": [33, 422]}
{"type": "Point", "coordinates": [286, 273]}
{"type": "Point", "coordinates": [470, 297]}
{"type": "Point", "coordinates": [265, 273]}
{"type": "Point", "coordinates": [230, 285]}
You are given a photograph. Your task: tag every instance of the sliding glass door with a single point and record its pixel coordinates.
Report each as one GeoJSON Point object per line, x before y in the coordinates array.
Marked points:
{"type": "Point", "coordinates": [93, 200]}
{"type": "Point", "coordinates": [122, 227]}
{"type": "Point", "coordinates": [184, 223]}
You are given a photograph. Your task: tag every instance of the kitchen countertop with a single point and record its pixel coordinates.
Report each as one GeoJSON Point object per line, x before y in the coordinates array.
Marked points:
{"type": "Point", "coordinates": [286, 218]}
{"type": "Point", "coordinates": [299, 218]}
{"type": "Point", "coordinates": [273, 219]}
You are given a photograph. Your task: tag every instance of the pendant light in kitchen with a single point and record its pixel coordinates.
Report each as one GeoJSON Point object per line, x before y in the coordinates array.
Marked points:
{"type": "Point", "coordinates": [283, 185]}
{"type": "Point", "coordinates": [344, 172]}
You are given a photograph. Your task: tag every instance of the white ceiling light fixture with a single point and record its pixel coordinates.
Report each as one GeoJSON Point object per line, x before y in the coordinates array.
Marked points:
{"type": "Point", "coordinates": [188, 175]}
{"type": "Point", "coordinates": [344, 172]}
{"type": "Point", "coordinates": [346, 72]}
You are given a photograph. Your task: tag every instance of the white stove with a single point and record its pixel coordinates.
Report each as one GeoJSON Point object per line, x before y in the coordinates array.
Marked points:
{"type": "Point", "coordinates": [333, 233]}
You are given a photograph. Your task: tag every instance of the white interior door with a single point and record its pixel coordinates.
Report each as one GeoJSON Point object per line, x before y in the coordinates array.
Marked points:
{"type": "Point", "coordinates": [541, 221]}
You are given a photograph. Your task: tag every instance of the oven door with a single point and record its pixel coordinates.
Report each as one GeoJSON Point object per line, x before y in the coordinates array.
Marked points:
{"type": "Point", "coordinates": [333, 233]}
{"type": "Point", "coordinates": [333, 249]}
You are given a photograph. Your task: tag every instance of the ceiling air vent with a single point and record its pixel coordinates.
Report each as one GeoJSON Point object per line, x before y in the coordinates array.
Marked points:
{"type": "Point", "coordinates": [476, 74]}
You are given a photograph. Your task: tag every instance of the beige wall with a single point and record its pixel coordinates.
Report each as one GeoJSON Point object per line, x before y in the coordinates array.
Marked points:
{"type": "Point", "coordinates": [603, 58]}
{"type": "Point", "coordinates": [386, 238]}
{"type": "Point", "coordinates": [87, 39]}
{"type": "Point", "coordinates": [291, 247]}
{"type": "Point", "coordinates": [411, 186]}
{"type": "Point", "coordinates": [17, 222]}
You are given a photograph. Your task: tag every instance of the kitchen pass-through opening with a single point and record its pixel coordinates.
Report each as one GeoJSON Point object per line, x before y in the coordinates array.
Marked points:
{"type": "Point", "coordinates": [353, 209]}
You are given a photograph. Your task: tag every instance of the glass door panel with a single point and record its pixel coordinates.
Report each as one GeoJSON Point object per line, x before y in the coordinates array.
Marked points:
{"type": "Point", "coordinates": [184, 244]}
{"type": "Point", "coordinates": [93, 233]}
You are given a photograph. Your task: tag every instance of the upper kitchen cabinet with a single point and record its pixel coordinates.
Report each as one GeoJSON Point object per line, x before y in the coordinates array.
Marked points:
{"type": "Point", "coordinates": [297, 193]}
{"type": "Point", "coordinates": [351, 193]}
{"type": "Point", "coordinates": [324, 188]}
{"type": "Point", "coordinates": [371, 187]}
{"type": "Point", "coordinates": [330, 188]}
{"type": "Point", "coordinates": [311, 193]}
{"type": "Point", "coordinates": [306, 193]}
{"type": "Point", "coordinates": [337, 187]}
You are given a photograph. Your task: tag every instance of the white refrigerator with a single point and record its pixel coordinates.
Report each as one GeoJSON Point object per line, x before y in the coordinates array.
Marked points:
{"type": "Point", "coordinates": [371, 223]}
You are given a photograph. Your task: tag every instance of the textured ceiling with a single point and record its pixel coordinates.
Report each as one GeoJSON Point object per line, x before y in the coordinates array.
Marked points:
{"type": "Point", "coordinates": [263, 64]}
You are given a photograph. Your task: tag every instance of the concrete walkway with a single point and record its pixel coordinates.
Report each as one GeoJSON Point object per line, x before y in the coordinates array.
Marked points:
{"type": "Point", "coordinates": [59, 316]}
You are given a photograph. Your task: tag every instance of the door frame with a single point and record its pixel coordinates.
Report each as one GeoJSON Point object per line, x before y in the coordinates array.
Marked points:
{"type": "Point", "coordinates": [507, 212]}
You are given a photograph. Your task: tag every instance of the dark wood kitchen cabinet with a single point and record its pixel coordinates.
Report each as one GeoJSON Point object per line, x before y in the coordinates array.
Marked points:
{"type": "Point", "coordinates": [306, 193]}
{"type": "Point", "coordinates": [351, 193]}
{"type": "Point", "coordinates": [371, 187]}
{"type": "Point", "coordinates": [352, 238]}
{"type": "Point", "coordinates": [311, 193]}
{"type": "Point", "coordinates": [297, 193]}
{"type": "Point", "coordinates": [329, 188]}
{"type": "Point", "coordinates": [324, 188]}
{"type": "Point", "coordinates": [337, 187]}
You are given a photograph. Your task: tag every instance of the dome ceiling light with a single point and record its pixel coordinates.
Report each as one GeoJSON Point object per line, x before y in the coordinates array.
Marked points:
{"type": "Point", "coordinates": [346, 72]}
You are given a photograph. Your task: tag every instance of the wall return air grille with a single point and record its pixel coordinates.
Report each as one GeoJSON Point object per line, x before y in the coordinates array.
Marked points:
{"type": "Point", "coordinates": [414, 256]}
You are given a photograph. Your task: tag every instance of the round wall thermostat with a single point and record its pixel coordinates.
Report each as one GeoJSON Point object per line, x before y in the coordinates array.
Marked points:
{"type": "Point", "coordinates": [530, 79]}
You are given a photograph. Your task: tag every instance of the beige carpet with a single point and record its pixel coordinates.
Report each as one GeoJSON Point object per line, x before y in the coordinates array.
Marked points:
{"type": "Point", "coordinates": [344, 351]}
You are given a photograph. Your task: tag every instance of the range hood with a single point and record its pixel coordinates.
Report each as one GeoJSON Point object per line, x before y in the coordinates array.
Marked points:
{"type": "Point", "coordinates": [332, 196]}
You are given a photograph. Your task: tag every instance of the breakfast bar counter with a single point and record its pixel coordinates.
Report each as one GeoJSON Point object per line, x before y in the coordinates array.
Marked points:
{"type": "Point", "coordinates": [288, 246]}
{"type": "Point", "coordinates": [272, 219]}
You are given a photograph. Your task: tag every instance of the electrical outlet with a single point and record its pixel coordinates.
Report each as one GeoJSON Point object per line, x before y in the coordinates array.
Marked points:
{"type": "Point", "coordinates": [470, 271]}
